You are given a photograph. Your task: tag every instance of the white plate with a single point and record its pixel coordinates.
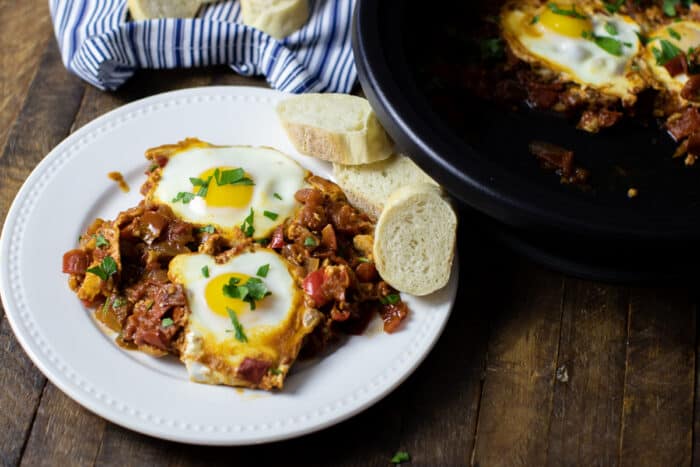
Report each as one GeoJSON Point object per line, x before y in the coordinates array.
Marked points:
{"type": "Point", "coordinates": [70, 188]}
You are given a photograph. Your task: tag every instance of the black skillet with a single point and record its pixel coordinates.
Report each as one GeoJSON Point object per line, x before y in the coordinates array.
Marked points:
{"type": "Point", "coordinates": [484, 161]}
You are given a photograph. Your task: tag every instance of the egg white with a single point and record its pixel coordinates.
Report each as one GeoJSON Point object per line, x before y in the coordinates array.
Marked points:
{"type": "Point", "coordinates": [271, 171]}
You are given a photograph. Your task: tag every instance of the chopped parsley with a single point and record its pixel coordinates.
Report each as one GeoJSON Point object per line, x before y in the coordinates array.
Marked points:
{"type": "Point", "coordinates": [166, 322]}
{"type": "Point", "coordinates": [310, 241]}
{"type": "Point", "coordinates": [153, 167]}
{"type": "Point", "coordinates": [275, 371]}
{"type": "Point", "coordinates": [667, 52]}
{"type": "Point", "coordinates": [208, 229]}
{"type": "Point", "coordinates": [205, 271]}
{"type": "Point", "coordinates": [239, 334]}
{"type": "Point", "coordinates": [492, 49]}
{"type": "Point", "coordinates": [251, 292]}
{"type": "Point", "coordinates": [270, 215]}
{"type": "Point", "coordinates": [391, 299]}
{"type": "Point", "coordinates": [611, 29]}
{"type": "Point", "coordinates": [613, 7]}
{"type": "Point", "coordinates": [572, 13]}
{"type": "Point", "coordinates": [202, 184]}
{"type": "Point", "coordinates": [400, 457]}
{"type": "Point", "coordinates": [232, 177]}
{"type": "Point", "coordinates": [669, 7]}
{"type": "Point", "coordinates": [105, 269]}
{"type": "Point", "coordinates": [609, 44]}
{"type": "Point", "coordinates": [117, 302]}
{"type": "Point", "coordinates": [101, 241]}
{"type": "Point", "coordinates": [362, 259]}
{"type": "Point", "coordinates": [277, 195]}
{"type": "Point", "coordinates": [673, 33]}
{"type": "Point", "coordinates": [263, 270]}
{"type": "Point", "coordinates": [247, 225]}
{"type": "Point", "coordinates": [263, 241]}
{"type": "Point", "coordinates": [183, 197]}
{"type": "Point", "coordinates": [535, 19]}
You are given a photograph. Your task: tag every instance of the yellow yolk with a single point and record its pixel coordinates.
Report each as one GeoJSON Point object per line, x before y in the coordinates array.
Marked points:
{"type": "Point", "coordinates": [234, 196]}
{"type": "Point", "coordinates": [563, 24]}
{"type": "Point", "coordinates": [218, 302]}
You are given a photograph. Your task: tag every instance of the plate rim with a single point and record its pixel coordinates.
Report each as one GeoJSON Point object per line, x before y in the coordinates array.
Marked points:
{"type": "Point", "coordinates": [67, 385]}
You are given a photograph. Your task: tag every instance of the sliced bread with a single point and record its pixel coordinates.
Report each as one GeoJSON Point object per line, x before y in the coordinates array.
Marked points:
{"type": "Point", "coordinates": [414, 241]}
{"type": "Point", "coordinates": [278, 18]}
{"type": "Point", "coordinates": [369, 186]}
{"type": "Point", "coordinates": [150, 9]}
{"type": "Point", "coordinates": [334, 127]}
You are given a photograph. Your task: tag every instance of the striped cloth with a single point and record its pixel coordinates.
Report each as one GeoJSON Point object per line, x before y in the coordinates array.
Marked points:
{"type": "Point", "coordinates": [98, 44]}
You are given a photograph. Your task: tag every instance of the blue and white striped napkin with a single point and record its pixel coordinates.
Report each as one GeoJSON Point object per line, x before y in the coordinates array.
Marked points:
{"type": "Point", "coordinates": [99, 45]}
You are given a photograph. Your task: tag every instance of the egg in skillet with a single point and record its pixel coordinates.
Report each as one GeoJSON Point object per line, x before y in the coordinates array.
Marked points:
{"type": "Point", "coordinates": [578, 41]}
{"type": "Point", "coordinates": [225, 186]}
{"type": "Point", "coordinates": [671, 55]}
{"type": "Point", "coordinates": [247, 318]}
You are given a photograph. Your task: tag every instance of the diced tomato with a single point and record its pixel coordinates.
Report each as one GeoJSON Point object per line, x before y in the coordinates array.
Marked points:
{"type": "Point", "coordinates": [75, 262]}
{"type": "Point", "coordinates": [313, 286]}
{"type": "Point", "coordinates": [277, 240]}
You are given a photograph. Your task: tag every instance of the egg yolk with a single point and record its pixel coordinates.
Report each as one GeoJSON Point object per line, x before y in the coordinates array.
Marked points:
{"type": "Point", "coordinates": [565, 24]}
{"type": "Point", "coordinates": [225, 196]}
{"type": "Point", "coordinates": [218, 302]}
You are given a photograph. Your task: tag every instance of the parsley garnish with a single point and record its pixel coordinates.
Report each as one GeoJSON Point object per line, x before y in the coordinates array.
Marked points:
{"type": "Point", "coordinates": [673, 33]}
{"type": "Point", "coordinates": [232, 177]}
{"type": "Point", "coordinates": [270, 215]}
{"type": "Point", "coordinates": [614, 6]}
{"type": "Point", "coordinates": [570, 13]}
{"type": "Point", "coordinates": [277, 195]}
{"type": "Point", "coordinates": [167, 322]}
{"type": "Point", "coordinates": [362, 259]}
{"type": "Point", "coordinates": [208, 229]}
{"type": "Point", "coordinates": [202, 184]}
{"type": "Point", "coordinates": [535, 19]}
{"type": "Point", "coordinates": [100, 241]}
{"type": "Point", "coordinates": [106, 268]}
{"type": "Point", "coordinates": [184, 197]}
{"type": "Point", "coordinates": [611, 29]}
{"type": "Point", "coordinates": [667, 53]}
{"type": "Point", "coordinates": [205, 271]}
{"type": "Point", "coordinates": [400, 457]}
{"type": "Point", "coordinates": [669, 7]}
{"type": "Point", "coordinates": [263, 270]}
{"type": "Point", "coordinates": [610, 45]}
{"type": "Point", "coordinates": [391, 299]}
{"type": "Point", "coordinates": [492, 49]}
{"type": "Point", "coordinates": [117, 302]}
{"type": "Point", "coordinates": [247, 225]}
{"type": "Point", "coordinates": [252, 291]}
{"type": "Point", "coordinates": [310, 241]}
{"type": "Point", "coordinates": [275, 371]}
{"type": "Point", "coordinates": [239, 334]}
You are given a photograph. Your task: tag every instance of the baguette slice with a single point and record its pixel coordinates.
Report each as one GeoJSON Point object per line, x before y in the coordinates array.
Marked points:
{"type": "Point", "coordinates": [150, 9]}
{"type": "Point", "coordinates": [278, 18]}
{"type": "Point", "coordinates": [414, 241]}
{"type": "Point", "coordinates": [334, 127]}
{"type": "Point", "coordinates": [369, 186]}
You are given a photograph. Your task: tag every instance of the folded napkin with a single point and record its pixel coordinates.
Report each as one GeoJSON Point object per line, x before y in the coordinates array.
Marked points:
{"type": "Point", "coordinates": [98, 44]}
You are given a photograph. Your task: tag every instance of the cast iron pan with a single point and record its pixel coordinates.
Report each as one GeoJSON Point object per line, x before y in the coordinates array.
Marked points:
{"type": "Point", "coordinates": [484, 161]}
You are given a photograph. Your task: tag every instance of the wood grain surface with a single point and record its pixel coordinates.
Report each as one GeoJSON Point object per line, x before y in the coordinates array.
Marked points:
{"type": "Point", "coordinates": [533, 369]}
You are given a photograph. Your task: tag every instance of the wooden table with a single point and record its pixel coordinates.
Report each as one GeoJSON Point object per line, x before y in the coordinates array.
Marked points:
{"type": "Point", "coordinates": [533, 369]}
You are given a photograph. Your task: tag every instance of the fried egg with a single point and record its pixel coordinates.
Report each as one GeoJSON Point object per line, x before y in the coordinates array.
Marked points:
{"type": "Point", "coordinates": [227, 187]}
{"type": "Point", "coordinates": [230, 340]}
{"type": "Point", "coordinates": [591, 48]}
{"type": "Point", "coordinates": [665, 44]}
